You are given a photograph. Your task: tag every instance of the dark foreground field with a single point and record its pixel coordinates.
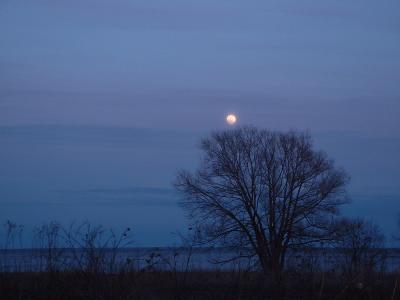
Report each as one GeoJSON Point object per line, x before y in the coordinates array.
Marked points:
{"type": "Point", "coordinates": [192, 285]}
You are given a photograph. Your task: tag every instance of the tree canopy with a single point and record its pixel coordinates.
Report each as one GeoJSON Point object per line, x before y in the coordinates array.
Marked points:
{"type": "Point", "coordinates": [264, 192]}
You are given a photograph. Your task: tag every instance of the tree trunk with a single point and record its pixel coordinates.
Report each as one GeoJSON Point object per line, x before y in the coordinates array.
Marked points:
{"type": "Point", "coordinates": [271, 264]}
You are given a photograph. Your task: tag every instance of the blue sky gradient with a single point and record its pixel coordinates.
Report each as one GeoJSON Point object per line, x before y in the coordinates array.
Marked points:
{"type": "Point", "coordinates": [102, 102]}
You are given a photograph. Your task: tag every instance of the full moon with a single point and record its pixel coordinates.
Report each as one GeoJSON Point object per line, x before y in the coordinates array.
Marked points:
{"type": "Point", "coordinates": [231, 119]}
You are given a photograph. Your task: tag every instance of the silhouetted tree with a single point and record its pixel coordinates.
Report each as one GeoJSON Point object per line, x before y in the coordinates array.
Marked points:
{"type": "Point", "coordinates": [362, 243]}
{"type": "Point", "coordinates": [263, 193]}
{"type": "Point", "coordinates": [48, 237]}
{"type": "Point", "coordinates": [12, 235]}
{"type": "Point", "coordinates": [396, 236]}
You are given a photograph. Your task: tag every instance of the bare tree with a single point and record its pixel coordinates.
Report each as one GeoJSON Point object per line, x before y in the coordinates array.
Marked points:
{"type": "Point", "coordinates": [95, 249]}
{"type": "Point", "coordinates": [48, 237]}
{"type": "Point", "coordinates": [396, 236]}
{"type": "Point", "coordinates": [362, 244]}
{"type": "Point", "coordinates": [263, 193]}
{"type": "Point", "coordinates": [13, 234]}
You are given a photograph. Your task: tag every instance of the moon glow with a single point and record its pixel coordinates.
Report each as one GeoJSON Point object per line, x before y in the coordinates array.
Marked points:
{"type": "Point", "coordinates": [231, 119]}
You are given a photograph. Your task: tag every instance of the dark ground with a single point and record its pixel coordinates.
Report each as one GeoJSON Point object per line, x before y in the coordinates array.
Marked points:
{"type": "Point", "coordinates": [192, 285]}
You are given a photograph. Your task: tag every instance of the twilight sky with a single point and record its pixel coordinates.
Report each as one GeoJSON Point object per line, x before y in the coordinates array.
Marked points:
{"type": "Point", "coordinates": [102, 102]}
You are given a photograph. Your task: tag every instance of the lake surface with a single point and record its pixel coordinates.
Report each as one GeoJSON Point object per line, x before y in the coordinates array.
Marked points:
{"type": "Point", "coordinates": [168, 258]}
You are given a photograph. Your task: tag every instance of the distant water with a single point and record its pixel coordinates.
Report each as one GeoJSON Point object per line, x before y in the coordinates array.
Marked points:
{"type": "Point", "coordinates": [167, 258]}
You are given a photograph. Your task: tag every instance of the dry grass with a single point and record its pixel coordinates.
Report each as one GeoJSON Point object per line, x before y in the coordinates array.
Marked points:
{"type": "Point", "coordinates": [191, 285]}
